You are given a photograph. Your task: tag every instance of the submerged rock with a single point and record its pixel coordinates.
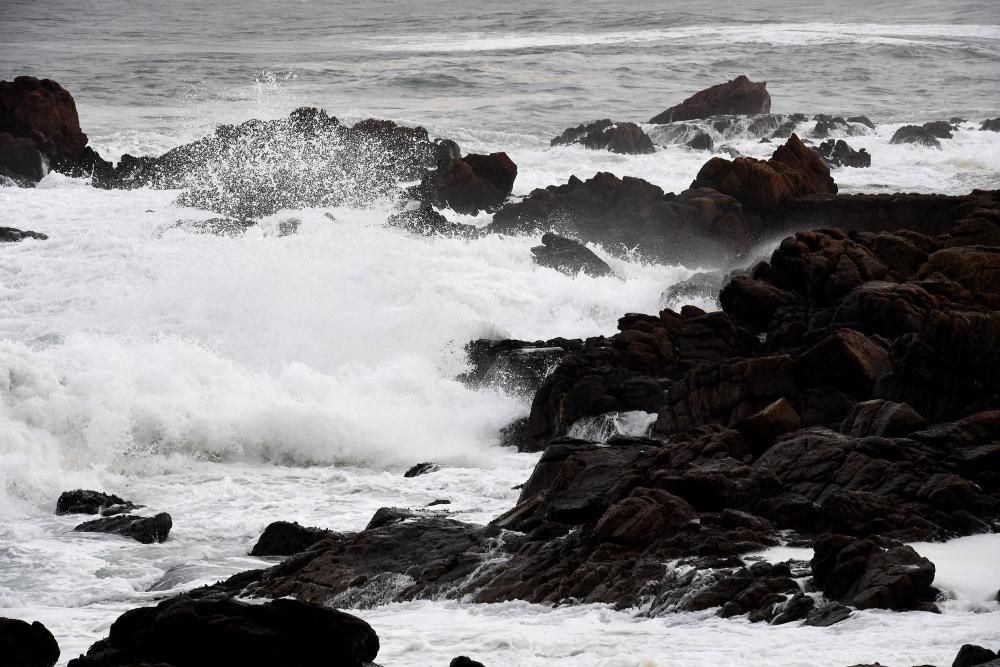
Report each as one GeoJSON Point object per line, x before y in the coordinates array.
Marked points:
{"type": "Point", "coordinates": [470, 184]}
{"type": "Point", "coordinates": [140, 528]}
{"type": "Point", "coordinates": [11, 235]}
{"type": "Point", "coordinates": [422, 469]}
{"type": "Point", "coordinates": [918, 134]}
{"type": "Point", "coordinates": [282, 538]}
{"type": "Point", "coordinates": [839, 154]}
{"type": "Point", "coordinates": [428, 222]}
{"type": "Point", "coordinates": [569, 257]}
{"type": "Point", "coordinates": [25, 644]}
{"type": "Point", "coordinates": [625, 138]}
{"type": "Point", "coordinates": [83, 501]}
{"type": "Point", "coordinates": [991, 125]}
{"type": "Point", "coordinates": [739, 96]}
{"type": "Point", "coordinates": [201, 629]}
{"type": "Point", "coordinates": [515, 366]}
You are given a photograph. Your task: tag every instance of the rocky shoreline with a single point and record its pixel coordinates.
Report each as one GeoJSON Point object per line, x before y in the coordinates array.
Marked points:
{"type": "Point", "coordinates": [845, 398]}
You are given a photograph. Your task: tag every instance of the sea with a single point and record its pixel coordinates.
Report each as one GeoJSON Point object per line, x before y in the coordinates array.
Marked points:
{"type": "Point", "coordinates": [233, 382]}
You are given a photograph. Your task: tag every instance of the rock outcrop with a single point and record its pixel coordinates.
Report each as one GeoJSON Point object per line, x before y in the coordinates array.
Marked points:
{"type": "Point", "coordinates": [625, 138]}
{"type": "Point", "coordinates": [839, 154]}
{"type": "Point", "coordinates": [140, 528]}
{"type": "Point", "coordinates": [569, 256]}
{"type": "Point", "coordinates": [739, 96]}
{"type": "Point", "coordinates": [469, 184]}
{"type": "Point", "coordinates": [24, 644]}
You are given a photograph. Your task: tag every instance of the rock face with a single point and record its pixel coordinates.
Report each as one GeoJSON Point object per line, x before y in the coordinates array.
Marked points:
{"type": "Point", "coordinates": [839, 154]}
{"type": "Point", "coordinates": [515, 366]}
{"type": "Point", "coordinates": [867, 575]}
{"type": "Point", "coordinates": [142, 529]}
{"type": "Point", "coordinates": [739, 96]}
{"type": "Point", "coordinates": [195, 630]}
{"type": "Point", "coordinates": [83, 501]}
{"type": "Point", "coordinates": [626, 138]}
{"type": "Point", "coordinates": [569, 256]}
{"type": "Point", "coordinates": [282, 538]}
{"type": "Point", "coordinates": [38, 121]}
{"type": "Point", "coordinates": [793, 171]}
{"type": "Point", "coordinates": [11, 235]}
{"type": "Point", "coordinates": [27, 645]}
{"type": "Point", "coordinates": [470, 184]}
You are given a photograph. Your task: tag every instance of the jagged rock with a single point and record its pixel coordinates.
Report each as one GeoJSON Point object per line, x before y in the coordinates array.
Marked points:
{"type": "Point", "coordinates": [702, 141]}
{"type": "Point", "coordinates": [142, 529]}
{"type": "Point", "coordinates": [793, 170]}
{"type": "Point", "coordinates": [991, 125]}
{"type": "Point", "coordinates": [839, 154]}
{"type": "Point", "coordinates": [11, 235]}
{"type": "Point", "coordinates": [211, 629]}
{"type": "Point", "coordinates": [827, 615]}
{"type": "Point", "coordinates": [626, 138]}
{"type": "Point", "coordinates": [421, 469]}
{"type": "Point", "coordinates": [762, 429]}
{"type": "Point", "coordinates": [515, 366]}
{"type": "Point", "coordinates": [282, 538]}
{"type": "Point", "coordinates": [739, 96]}
{"type": "Point", "coordinates": [84, 501]}
{"type": "Point", "coordinates": [704, 285]}
{"type": "Point", "coordinates": [970, 655]}
{"type": "Point", "coordinates": [428, 222]}
{"type": "Point", "coordinates": [569, 257]}
{"type": "Point", "coordinates": [882, 418]}
{"type": "Point", "coordinates": [846, 360]}
{"type": "Point", "coordinates": [470, 184]}
{"type": "Point", "coordinates": [915, 134]}
{"type": "Point", "coordinates": [867, 575]}
{"type": "Point", "coordinates": [754, 301]}
{"type": "Point", "coordinates": [25, 644]}
{"type": "Point", "coordinates": [864, 120]}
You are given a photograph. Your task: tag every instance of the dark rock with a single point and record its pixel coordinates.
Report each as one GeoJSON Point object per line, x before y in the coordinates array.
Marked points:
{"type": "Point", "coordinates": [761, 430]}
{"type": "Point", "coordinates": [739, 96]}
{"type": "Point", "coordinates": [438, 501]}
{"type": "Point", "coordinates": [465, 661]}
{"type": "Point", "coordinates": [190, 631]}
{"type": "Point", "coordinates": [794, 170]}
{"type": "Point", "coordinates": [702, 141]}
{"type": "Point", "coordinates": [839, 154]}
{"type": "Point", "coordinates": [970, 655]}
{"type": "Point", "coordinates": [428, 222]}
{"type": "Point", "coordinates": [754, 301]}
{"type": "Point", "coordinates": [143, 529]}
{"type": "Point", "coordinates": [992, 125]}
{"type": "Point", "coordinates": [282, 538]}
{"type": "Point", "coordinates": [864, 120]}
{"type": "Point", "coordinates": [846, 360]}
{"type": "Point", "coordinates": [827, 615]}
{"type": "Point", "coordinates": [626, 138]}
{"type": "Point", "coordinates": [867, 575]}
{"type": "Point", "coordinates": [516, 366]}
{"type": "Point", "coordinates": [569, 257]}
{"type": "Point", "coordinates": [882, 418]}
{"type": "Point", "coordinates": [940, 129]}
{"type": "Point", "coordinates": [470, 184]}
{"type": "Point", "coordinates": [11, 235]}
{"type": "Point", "coordinates": [421, 469]}
{"type": "Point", "coordinates": [704, 286]}
{"type": "Point", "coordinates": [27, 645]}
{"type": "Point", "coordinates": [83, 501]}
{"type": "Point", "coordinates": [798, 608]}
{"type": "Point", "coordinates": [915, 134]}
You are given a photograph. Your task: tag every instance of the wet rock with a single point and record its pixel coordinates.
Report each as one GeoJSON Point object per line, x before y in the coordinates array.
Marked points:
{"type": "Point", "coordinates": [846, 360]}
{"type": "Point", "coordinates": [882, 418]}
{"type": "Point", "coordinates": [142, 529]}
{"type": "Point", "coordinates": [516, 366]}
{"type": "Point", "coordinates": [569, 257]}
{"type": "Point", "coordinates": [827, 615]}
{"type": "Point", "coordinates": [839, 154]}
{"type": "Point", "coordinates": [11, 235]}
{"type": "Point", "coordinates": [470, 184]}
{"type": "Point", "coordinates": [227, 227]}
{"type": "Point", "coordinates": [793, 170]}
{"type": "Point", "coordinates": [797, 608]}
{"type": "Point", "coordinates": [465, 661]}
{"type": "Point", "coordinates": [940, 129]}
{"type": "Point", "coordinates": [25, 644]}
{"type": "Point", "coordinates": [83, 501]}
{"type": "Point", "coordinates": [282, 538]}
{"type": "Point", "coordinates": [190, 631]}
{"type": "Point", "coordinates": [701, 286]}
{"type": "Point", "coordinates": [626, 138]}
{"type": "Point", "coordinates": [702, 141]}
{"type": "Point", "coordinates": [991, 125]}
{"type": "Point", "coordinates": [754, 301]}
{"type": "Point", "coordinates": [438, 501]}
{"type": "Point", "coordinates": [915, 134]}
{"type": "Point", "coordinates": [971, 654]}
{"type": "Point", "coordinates": [421, 469]}
{"type": "Point", "coordinates": [739, 96]}
{"type": "Point", "coordinates": [863, 120]}
{"type": "Point", "coordinates": [643, 513]}
{"type": "Point", "coordinates": [761, 430]}
{"type": "Point", "coordinates": [867, 575]}
{"type": "Point", "coordinates": [428, 222]}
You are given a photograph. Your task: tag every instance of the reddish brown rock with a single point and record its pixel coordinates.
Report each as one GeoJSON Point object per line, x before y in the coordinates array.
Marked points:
{"type": "Point", "coordinates": [470, 184]}
{"type": "Point", "coordinates": [626, 138]}
{"type": "Point", "coordinates": [740, 96]}
{"type": "Point", "coordinates": [44, 112]}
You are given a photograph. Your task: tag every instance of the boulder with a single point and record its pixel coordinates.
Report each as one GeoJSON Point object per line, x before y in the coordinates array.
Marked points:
{"type": "Point", "coordinates": [82, 501]}
{"type": "Point", "coordinates": [915, 134]}
{"type": "Point", "coordinates": [11, 235]}
{"type": "Point", "coordinates": [868, 575]}
{"type": "Point", "coordinates": [421, 469]}
{"type": "Point", "coordinates": [282, 538]}
{"type": "Point", "coordinates": [195, 630]}
{"type": "Point", "coordinates": [626, 138]}
{"type": "Point", "coordinates": [839, 154]}
{"type": "Point", "coordinates": [991, 125]}
{"type": "Point", "coordinates": [465, 661]}
{"type": "Point", "coordinates": [140, 528]}
{"type": "Point", "coordinates": [882, 418]}
{"type": "Point", "coordinates": [701, 141]}
{"type": "Point", "coordinates": [569, 257]}
{"type": "Point", "coordinates": [846, 360]}
{"type": "Point", "coordinates": [426, 221]}
{"type": "Point", "coordinates": [739, 96]}
{"type": "Point", "coordinates": [971, 654]}
{"type": "Point", "coordinates": [515, 366]}
{"type": "Point", "coordinates": [25, 644]}
{"type": "Point", "coordinates": [470, 184]}
{"type": "Point", "coordinates": [762, 429]}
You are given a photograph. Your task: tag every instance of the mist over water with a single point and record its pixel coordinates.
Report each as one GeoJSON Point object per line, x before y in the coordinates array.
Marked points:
{"type": "Point", "coordinates": [238, 381]}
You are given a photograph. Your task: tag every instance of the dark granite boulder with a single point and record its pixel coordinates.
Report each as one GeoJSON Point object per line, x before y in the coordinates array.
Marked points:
{"type": "Point", "coordinates": [282, 538]}
{"type": "Point", "coordinates": [739, 96]}
{"type": "Point", "coordinates": [469, 184]}
{"type": "Point", "coordinates": [839, 154]}
{"type": "Point", "coordinates": [569, 257]}
{"type": "Point", "coordinates": [11, 235]}
{"type": "Point", "coordinates": [140, 528]}
{"type": "Point", "coordinates": [83, 501]}
{"type": "Point", "coordinates": [25, 644]}
{"type": "Point", "coordinates": [626, 138]}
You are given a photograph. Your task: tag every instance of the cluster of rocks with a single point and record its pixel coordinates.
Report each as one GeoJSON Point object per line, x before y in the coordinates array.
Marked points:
{"type": "Point", "coordinates": [927, 134]}
{"type": "Point", "coordinates": [116, 516]}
